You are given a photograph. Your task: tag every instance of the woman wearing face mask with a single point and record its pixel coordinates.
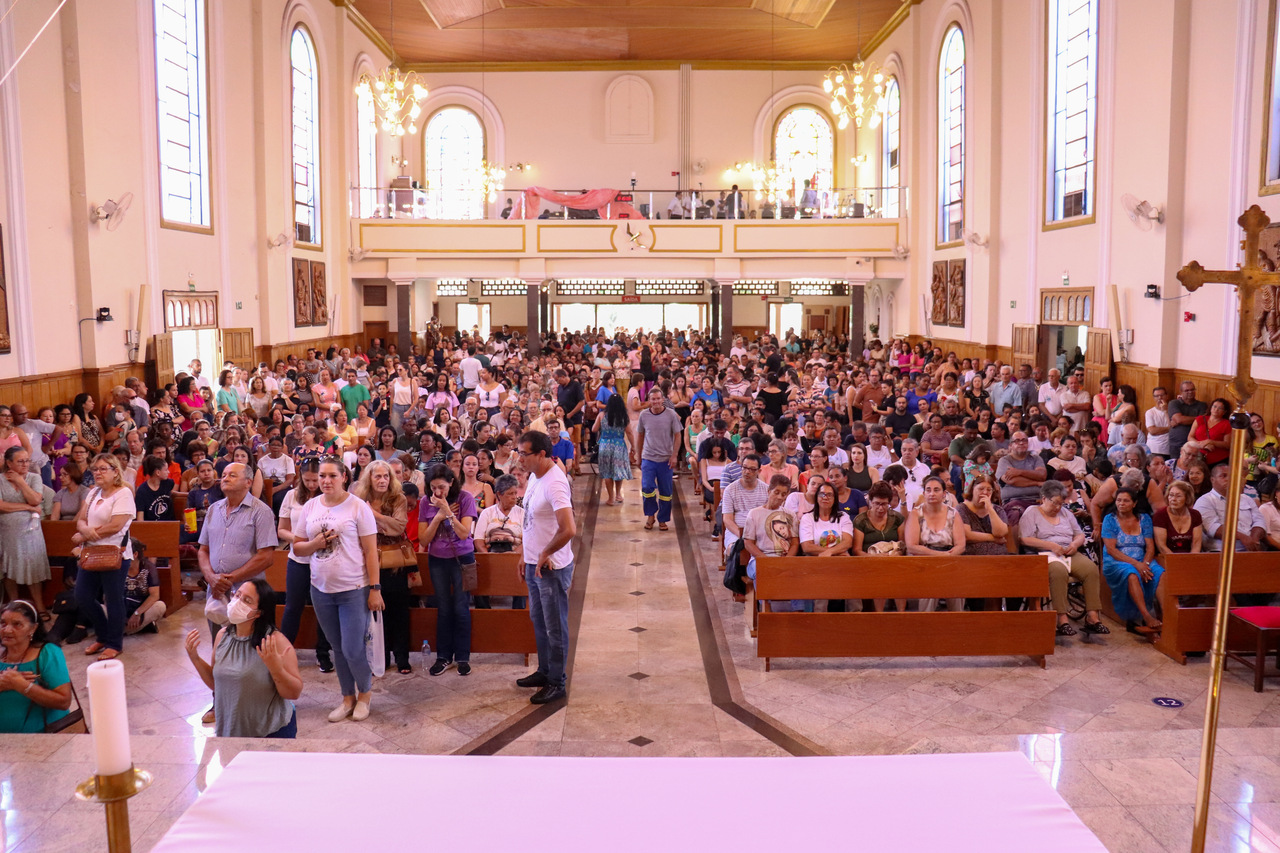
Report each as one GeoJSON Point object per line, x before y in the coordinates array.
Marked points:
{"type": "Point", "coordinates": [298, 569]}
{"type": "Point", "coordinates": [254, 670]}
{"type": "Point", "coordinates": [341, 540]}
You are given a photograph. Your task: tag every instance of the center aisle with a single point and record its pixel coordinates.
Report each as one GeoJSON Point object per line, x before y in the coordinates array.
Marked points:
{"type": "Point", "coordinates": [637, 685]}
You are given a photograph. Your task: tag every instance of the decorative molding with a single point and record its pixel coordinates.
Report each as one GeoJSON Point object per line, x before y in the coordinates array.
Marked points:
{"type": "Point", "coordinates": [627, 85]}
{"type": "Point", "coordinates": [898, 19]}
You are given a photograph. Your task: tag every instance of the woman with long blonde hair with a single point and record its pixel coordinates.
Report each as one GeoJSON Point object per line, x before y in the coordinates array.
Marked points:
{"type": "Point", "coordinates": [380, 488]}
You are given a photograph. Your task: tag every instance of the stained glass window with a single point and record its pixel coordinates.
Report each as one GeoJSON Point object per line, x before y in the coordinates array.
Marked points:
{"type": "Point", "coordinates": [951, 137]}
{"type": "Point", "coordinates": [891, 145]}
{"type": "Point", "coordinates": [1073, 101]}
{"type": "Point", "coordinates": [804, 149]}
{"type": "Point", "coordinates": [455, 154]}
{"type": "Point", "coordinates": [306, 133]}
{"type": "Point", "coordinates": [182, 104]}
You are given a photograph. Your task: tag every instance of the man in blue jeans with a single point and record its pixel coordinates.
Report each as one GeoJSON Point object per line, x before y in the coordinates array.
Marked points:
{"type": "Point", "coordinates": [549, 528]}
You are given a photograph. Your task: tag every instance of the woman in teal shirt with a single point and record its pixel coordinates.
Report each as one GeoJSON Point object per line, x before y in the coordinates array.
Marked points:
{"type": "Point", "coordinates": [227, 400]}
{"type": "Point", "coordinates": [35, 687]}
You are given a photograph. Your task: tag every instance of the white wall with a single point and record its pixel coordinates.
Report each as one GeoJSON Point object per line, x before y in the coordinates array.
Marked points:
{"type": "Point", "coordinates": [1180, 117]}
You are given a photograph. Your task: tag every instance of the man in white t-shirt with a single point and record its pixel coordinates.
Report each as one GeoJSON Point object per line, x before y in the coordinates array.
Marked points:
{"type": "Point", "coordinates": [549, 528]}
{"type": "Point", "coordinates": [1158, 422]}
{"type": "Point", "coordinates": [1076, 402]}
{"type": "Point", "coordinates": [1049, 395]}
{"type": "Point", "coordinates": [470, 367]}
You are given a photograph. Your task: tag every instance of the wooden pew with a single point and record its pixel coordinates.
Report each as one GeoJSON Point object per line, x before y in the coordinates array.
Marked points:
{"type": "Point", "coordinates": [496, 631]}
{"type": "Point", "coordinates": [1028, 632]}
{"type": "Point", "coordinates": [1190, 629]}
{"type": "Point", "coordinates": [160, 537]}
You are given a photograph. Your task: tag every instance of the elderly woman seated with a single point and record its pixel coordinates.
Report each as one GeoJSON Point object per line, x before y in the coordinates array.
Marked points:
{"type": "Point", "coordinates": [1129, 564]}
{"type": "Point", "coordinates": [35, 687]}
{"type": "Point", "coordinates": [1048, 528]}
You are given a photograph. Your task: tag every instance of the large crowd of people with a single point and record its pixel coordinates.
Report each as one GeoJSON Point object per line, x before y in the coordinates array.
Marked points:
{"type": "Point", "coordinates": [357, 461]}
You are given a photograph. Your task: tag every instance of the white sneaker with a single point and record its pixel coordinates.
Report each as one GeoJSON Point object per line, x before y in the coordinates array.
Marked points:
{"type": "Point", "coordinates": [343, 711]}
{"type": "Point", "coordinates": [361, 711]}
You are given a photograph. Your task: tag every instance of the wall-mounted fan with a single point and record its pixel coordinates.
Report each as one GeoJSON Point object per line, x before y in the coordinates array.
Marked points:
{"type": "Point", "coordinates": [901, 252]}
{"type": "Point", "coordinates": [1141, 212]}
{"type": "Point", "coordinates": [973, 238]}
{"type": "Point", "coordinates": [111, 212]}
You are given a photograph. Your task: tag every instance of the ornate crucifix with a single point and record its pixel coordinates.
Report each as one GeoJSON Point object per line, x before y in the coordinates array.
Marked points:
{"type": "Point", "coordinates": [1247, 279]}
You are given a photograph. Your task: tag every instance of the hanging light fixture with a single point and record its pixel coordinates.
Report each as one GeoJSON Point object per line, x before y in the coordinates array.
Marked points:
{"type": "Point", "coordinates": [396, 96]}
{"type": "Point", "coordinates": [857, 93]}
{"type": "Point", "coordinates": [856, 90]}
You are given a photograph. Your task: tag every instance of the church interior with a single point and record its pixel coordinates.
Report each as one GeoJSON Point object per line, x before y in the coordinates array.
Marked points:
{"type": "Point", "coordinates": [1012, 182]}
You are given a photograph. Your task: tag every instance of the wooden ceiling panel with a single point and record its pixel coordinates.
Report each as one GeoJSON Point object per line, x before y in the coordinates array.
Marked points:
{"type": "Point", "coordinates": [431, 32]}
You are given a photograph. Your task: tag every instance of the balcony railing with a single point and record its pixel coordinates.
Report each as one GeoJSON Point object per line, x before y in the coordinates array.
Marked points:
{"type": "Point", "coordinates": [406, 201]}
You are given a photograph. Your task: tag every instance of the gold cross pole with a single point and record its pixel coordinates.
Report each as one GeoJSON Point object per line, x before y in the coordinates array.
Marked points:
{"type": "Point", "coordinates": [1248, 279]}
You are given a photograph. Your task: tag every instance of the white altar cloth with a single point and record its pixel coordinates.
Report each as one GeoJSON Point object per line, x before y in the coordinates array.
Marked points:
{"type": "Point", "coordinates": [270, 801]}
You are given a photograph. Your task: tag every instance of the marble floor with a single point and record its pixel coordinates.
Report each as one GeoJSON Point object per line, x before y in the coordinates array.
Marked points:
{"type": "Point", "coordinates": [662, 664]}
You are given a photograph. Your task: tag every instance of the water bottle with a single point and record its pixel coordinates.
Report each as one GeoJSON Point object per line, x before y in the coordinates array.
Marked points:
{"type": "Point", "coordinates": [426, 650]}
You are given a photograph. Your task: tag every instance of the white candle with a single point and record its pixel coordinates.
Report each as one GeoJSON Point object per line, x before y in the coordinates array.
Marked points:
{"type": "Point", "coordinates": [110, 717]}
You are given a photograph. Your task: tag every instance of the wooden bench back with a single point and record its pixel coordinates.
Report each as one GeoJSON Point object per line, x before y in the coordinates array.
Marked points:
{"type": "Point", "coordinates": [991, 632]}
{"type": "Point", "coordinates": [1012, 576]}
{"type": "Point", "coordinates": [1190, 628]}
{"type": "Point", "coordinates": [159, 537]}
{"type": "Point", "coordinates": [497, 631]}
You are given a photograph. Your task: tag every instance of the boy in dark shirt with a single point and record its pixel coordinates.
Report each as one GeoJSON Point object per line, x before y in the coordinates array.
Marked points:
{"type": "Point", "coordinates": [154, 498]}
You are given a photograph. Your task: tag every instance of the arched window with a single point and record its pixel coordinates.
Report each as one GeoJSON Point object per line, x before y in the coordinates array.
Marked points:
{"type": "Point", "coordinates": [804, 149]}
{"type": "Point", "coordinates": [951, 137]}
{"type": "Point", "coordinates": [455, 158]}
{"type": "Point", "coordinates": [306, 137]}
{"type": "Point", "coordinates": [366, 153]}
{"type": "Point", "coordinates": [891, 145]}
{"type": "Point", "coordinates": [1072, 108]}
{"type": "Point", "coordinates": [182, 104]}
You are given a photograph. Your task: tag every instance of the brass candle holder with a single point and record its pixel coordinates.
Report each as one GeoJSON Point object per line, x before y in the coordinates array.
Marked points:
{"type": "Point", "coordinates": [114, 792]}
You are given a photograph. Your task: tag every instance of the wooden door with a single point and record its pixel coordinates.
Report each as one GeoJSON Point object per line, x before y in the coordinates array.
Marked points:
{"type": "Point", "coordinates": [1026, 338]}
{"type": "Point", "coordinates": [378, 329]}
{"type": "Point", "coordinates": [1097, 358]}
{"type": "Point", "coordinates": [161, 360]}
{"type": "Point", "coordinates": [237, 347]}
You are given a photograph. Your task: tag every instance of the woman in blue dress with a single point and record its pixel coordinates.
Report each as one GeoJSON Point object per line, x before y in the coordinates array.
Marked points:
{"type": "Point", "coordinates": [614, 460]}
{"type": "Point", "coordinates": [1129, 564]}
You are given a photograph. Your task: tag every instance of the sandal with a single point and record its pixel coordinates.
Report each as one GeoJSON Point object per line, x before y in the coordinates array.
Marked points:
{"type": "Point", "coordinates": [109, 654]}
{"type": "Point", "coordinates": [1095, 628]}
{"type": "Point", "coordinates": [1066, 630]}
{"type": "Point", "coordinates": [94, 648]}
{"type": "Point", "coordinates": [405, 670]}
{"type": "Point", "coordinates": [46, 616]}
{"type": "Point", "coordinates": [663, 526]}
{"type": "Point", "coordinates": [648, 525]}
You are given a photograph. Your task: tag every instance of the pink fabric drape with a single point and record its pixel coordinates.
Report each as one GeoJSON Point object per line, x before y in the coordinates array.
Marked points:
{"type": "Point", "coordinates": [601, 200]}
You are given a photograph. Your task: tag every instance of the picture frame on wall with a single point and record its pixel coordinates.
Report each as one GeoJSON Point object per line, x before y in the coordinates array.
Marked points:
{"type": "Point", "coordinates": [302, 313]}
{"type": "Point", "coordinates": [938, 294]}
{"type": "Point", "coordinates": [955, 293]}
{"type": "Point", "coordinates": [1266, 331]}
{"type": "Point", "coordinates": [319, 295]}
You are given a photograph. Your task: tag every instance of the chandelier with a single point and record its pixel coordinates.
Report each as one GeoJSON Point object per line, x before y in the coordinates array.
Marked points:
{"type": "Point", "coordinates": [397, 98]}
{"type": "Point", "coordinates": [490, 177]}
{"type": "Point", "coordinates": [770, 182]}
{"type": "Point", "coordinates": [857, 93]}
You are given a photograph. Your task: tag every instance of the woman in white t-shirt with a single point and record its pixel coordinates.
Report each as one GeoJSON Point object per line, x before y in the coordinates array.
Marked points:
{"type": "Point", "coordinates": [104, 519]}
{"type": "Point", "coordinates": [297, 577]}
{"type": "Point", "coordinates": [341, 540]}
{"type": "Point", "coordinates": [827, 531]}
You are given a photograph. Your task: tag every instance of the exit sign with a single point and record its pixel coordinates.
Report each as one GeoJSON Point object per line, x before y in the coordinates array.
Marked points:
{"type": "Point", "coordinates": [631, 300]}
{"type": "Point", "coordinates": [474, 300]}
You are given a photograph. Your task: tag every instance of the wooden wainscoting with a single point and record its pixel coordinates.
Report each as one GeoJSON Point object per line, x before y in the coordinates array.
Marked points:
{"type": "Point", "coordinates": [271, 353]}
{"type": "Point", "coordinates": [50, 389]}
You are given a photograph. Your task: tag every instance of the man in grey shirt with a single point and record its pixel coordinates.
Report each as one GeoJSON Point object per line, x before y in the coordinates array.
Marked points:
{"type": "Point", "coordinates": [1183, 411]}
{"type": "Point", "coordinates": [36, 431]}
{"type": "Point", "coordinates": [741, 497]}
{"type": "Point", "coordinates": [1020, 473]}
{"type": "Point", "coordinates": [237, 540]}
{"type": "Point", "coordinates": [657, 432]}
